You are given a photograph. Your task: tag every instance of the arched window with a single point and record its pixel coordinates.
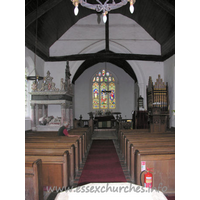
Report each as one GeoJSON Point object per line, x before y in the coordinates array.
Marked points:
{"type": "Point", "coordinates": [103, 91]}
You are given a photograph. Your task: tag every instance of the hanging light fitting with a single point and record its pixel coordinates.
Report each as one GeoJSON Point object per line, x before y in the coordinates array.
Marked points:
{"type": "Point", "coordinates": [35, 78]}
{"type": "Point", "coordinates": [105, 7]}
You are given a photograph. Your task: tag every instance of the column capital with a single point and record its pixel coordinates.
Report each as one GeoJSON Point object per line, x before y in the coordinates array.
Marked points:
{"type": "Point", "coordinates": [32, 105]}
{"type": "Point", "coordinates": [63, 105]}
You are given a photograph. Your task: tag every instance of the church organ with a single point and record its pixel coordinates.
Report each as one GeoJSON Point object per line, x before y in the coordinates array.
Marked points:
{"type": "Point", "coordinates": [157, 105]}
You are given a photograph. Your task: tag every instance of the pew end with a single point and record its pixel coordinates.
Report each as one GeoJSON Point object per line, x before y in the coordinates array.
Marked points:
{"type": "Point", "coordinates": [33, 179]}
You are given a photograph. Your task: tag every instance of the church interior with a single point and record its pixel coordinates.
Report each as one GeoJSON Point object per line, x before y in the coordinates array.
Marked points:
{"type": "Point", "coordinates": [108, 69]}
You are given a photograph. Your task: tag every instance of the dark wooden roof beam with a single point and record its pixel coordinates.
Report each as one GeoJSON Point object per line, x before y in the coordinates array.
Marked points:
{"type": "Point", "coordinates": [169, 45]}
{"type": "Point", "coordinates": [30, 18]}
{"type": "Point", "coordinates": [166, 6]}
{"type": "Point", "coordinates": [29, 38]}
{"type": "Point", "coordinates": [106, 56]}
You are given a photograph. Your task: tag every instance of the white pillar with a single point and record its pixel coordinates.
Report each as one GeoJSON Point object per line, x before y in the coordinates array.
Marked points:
{"type": "Point", "coordinates": [46, 110]}
{"type": "Point", "coordinates": [33, 117]}
{"type": "Point", "coordinates": [40, 111]}
{"type": "Point", "coordinates": [63, 113]}
{"type": "Point", "coordinates": [71, 116]}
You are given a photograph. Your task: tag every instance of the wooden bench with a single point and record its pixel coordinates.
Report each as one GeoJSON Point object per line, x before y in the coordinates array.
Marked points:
{"type": "Point", "coordinates": [61, 139]}
{"type": "Point", "coordinates": [33, 179]}
{"type": "Point", "coordinates": [52, 147]}
{"type": "Point", "coordinates": [148, 150]}
{"type": "Point", "coordinates": [139, 133]}
{"type": "Point", "coordinates": [86, 138]}
{"type": "Point", "coordinates": [55, 167]}
{"type": "Point", "coordinates": [163, 170]}
{"type": "Point", "coordinates": [84, 132]}
{"type": "Point", "coordinates": [143, 143]}
{"type": "Point", "coordinates": [132, 138]}
{"type": "Point", "coordinates": [134, 144]}
{"type": "Point", "coordinates": [126, 136]}
{"type": "Point", "coordinates": [131, 146]}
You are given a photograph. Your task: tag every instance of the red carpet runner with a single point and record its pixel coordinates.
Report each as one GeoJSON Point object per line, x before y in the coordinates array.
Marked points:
{"type": "Point", "coordinates": [102, 164]}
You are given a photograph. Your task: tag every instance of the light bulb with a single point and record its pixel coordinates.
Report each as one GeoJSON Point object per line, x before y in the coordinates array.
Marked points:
{"type": "Point", "coordinates": [104, 17]}
{"type": "Point", "coordinates": [76, 10]}
{"type": "Point", "coordinates": [131, 9]}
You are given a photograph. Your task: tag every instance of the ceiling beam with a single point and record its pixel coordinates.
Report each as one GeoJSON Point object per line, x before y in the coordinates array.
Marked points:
{"type": "Point", "coordinates": [107, 56]}
{"type": "Point", "coordinates": [45, 7]}
{"type": "Point", "coordinates": [107, 33]}
{"type": "Point", "coordinates": [166, 6]}
{"type": "Point", "coordinates": [169, 45]}
{"type": "Point", "coordinates": [41, 50]}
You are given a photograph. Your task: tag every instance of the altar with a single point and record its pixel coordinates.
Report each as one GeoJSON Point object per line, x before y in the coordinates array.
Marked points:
{"type": "Point", "coordinates": [104, 121]}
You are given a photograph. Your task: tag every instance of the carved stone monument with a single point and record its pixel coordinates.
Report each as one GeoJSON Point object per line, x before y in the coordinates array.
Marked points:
{"type": "Point", "coordinates": [48, 94]}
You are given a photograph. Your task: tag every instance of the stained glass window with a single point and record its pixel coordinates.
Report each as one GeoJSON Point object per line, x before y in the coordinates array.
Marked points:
{"type": "Point", "coordinates": [95, 90]}
{"type": "Point", "coordinates": [112, 96]}
{"type": "Point", "coordinates": [103, 91]}
{"type": "Point", "coordinates": [104, 96]}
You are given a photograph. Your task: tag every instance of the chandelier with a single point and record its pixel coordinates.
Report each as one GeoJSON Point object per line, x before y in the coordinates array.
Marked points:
{"type": "Point", "coordinates": [104, 7]}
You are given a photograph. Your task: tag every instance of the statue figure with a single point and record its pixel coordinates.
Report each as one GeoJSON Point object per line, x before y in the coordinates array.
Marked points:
{"type": "Point", "coordinates": [48, 81]}
{"type": "Point", "coordinates": [42, 88]}
{"type": "Point", "coordinates": [34, 86]}
{"type": "Point", "coordinates": [62, 85]}
{"type": "Point", "coordinates": [53, 87]}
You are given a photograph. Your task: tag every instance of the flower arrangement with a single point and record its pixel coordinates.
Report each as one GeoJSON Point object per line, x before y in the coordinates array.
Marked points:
{"type": "Point", "coordinates": [99, 112]}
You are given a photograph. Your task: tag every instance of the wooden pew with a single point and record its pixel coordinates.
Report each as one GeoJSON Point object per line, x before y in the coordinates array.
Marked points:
{"type": "Point", "coordinates": [143, 143]}
{"type": "Point", "coordinates": [88, 136]}
{"type": "Point", "coordinates": [139, 133]}
{"type": "Point", "coordinates": [33, 179]}
{"type": "Point", "coordinates": [85, 135]}
{"type": "Point", "coordinates": [55, 168]}
{"type": "Point", "coordinates": [156, 150]}
{"type": "Point", "coordinates": [68, 146]}
{"type": "Point", "coordinates": [51, 134]}
{"type": "Point", "coordinates": [84, 132]}
{"type": "Point", "coordinates": [138, 136]}
{"type": "Point", "coordinates": [158, 138]}
{"type": "Point", "coordinates": [133, 131]}
{"type": "Point", "coordinates": [61, 139]}
{"type": "Point", "coordinates": [131, 146]}
{"type": "Point", "coordinates": [163, 170]}
{"type": "Point", "coordinates": [148, 144]}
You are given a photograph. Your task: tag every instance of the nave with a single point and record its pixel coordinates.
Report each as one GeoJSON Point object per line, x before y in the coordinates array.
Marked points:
{"type": "Point", "coordinates": [74, 162]}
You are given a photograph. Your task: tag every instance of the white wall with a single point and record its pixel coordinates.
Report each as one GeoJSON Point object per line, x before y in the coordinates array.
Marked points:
{"type": "Point", "coordinates": [124, 91]}
{"type": "Point", "coordinates": [169, 71]}
{"type": "Point", "coordinates": [30, 63]}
